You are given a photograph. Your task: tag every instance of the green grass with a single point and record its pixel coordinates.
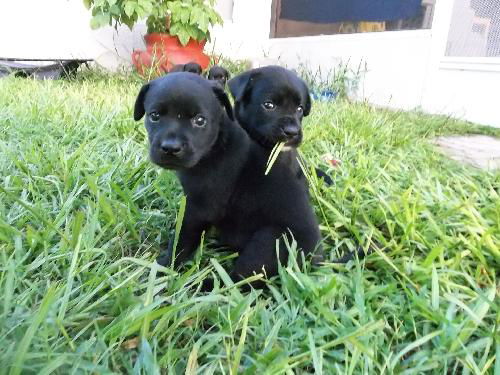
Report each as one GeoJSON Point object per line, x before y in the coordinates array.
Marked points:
{"type": "Point", "coordinates": [83, 214]}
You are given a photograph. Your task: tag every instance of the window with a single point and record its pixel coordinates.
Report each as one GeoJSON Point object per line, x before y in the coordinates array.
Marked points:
{"type": "Point", "coordinates": [316, 17]}
{"type": "Point", "coordinates": [474, 29]}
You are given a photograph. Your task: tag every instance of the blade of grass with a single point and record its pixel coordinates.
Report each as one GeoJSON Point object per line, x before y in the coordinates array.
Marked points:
{"type": "Point", "coordinates": [318, 369]}
{"type": "Point", "coordinates": [178, 225]}
{"type": "Point", "coordinates": [363, 330]}
{"type": "Point", "coordinates": [472, 322]}
{"type": "Point", "coordinates": [435, 290]}
{"type": "Point", "coordinates": [75, 244]}
{"type": "Point", "coordinates": [192, 364]}
{"type": "Point", "coordinates": [148, 299]}
{"type": "Point", "coordinates": [241, 345]}
{"type": "Point", "coordinates": [388, 261]}
{"type": "Point", "coordinates": [414, 345]}
{"type": "Point", "coordinates": [22, 349]}
{"type": "Point", "coordinates": [497, 360]}
{"type": "Point", "coordinates": [273, 156]}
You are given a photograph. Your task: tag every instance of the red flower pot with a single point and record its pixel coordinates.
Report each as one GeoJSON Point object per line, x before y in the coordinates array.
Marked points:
{"type": "Point", "coordinates": [164, 51]}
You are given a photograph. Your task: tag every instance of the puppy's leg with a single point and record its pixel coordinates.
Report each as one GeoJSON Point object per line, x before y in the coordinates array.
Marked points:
{"type": "Point", "coordinates": [259, 254]}
{"type": "Point", "coordinates": [189, 239]}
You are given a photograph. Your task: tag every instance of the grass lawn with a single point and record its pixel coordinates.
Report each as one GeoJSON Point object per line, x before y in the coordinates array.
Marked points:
{"type": "Point", "coordinates": [83, 214]}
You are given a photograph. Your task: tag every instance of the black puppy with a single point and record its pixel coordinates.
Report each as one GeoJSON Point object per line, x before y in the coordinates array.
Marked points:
{"type": "Point", "coordinates": [190, 67]}
{"type": "Point", "coordinates": [219, 74]}
{"type": "Point", "coordinates": [190, 130]}
{"type": "Point", "coordinates": [270, 103]}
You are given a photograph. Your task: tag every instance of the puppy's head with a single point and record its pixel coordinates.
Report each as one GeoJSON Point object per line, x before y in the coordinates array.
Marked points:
{"type": "Point", "coordinates": [190, 67]}
{"type": "Point", "coordinates": [184, 114]}
{"type": "Point", "coordinates": [218, 74]}
{"type": "Point", "coordinates": [177, 68]}
{"type": "Point", "coordinates": [270, 103]}
{"type": "Point", "coordinates": [193, 67]}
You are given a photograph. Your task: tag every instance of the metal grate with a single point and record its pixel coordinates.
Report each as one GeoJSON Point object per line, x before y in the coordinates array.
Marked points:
{"type": "Point", "coordinates": [474, 29]}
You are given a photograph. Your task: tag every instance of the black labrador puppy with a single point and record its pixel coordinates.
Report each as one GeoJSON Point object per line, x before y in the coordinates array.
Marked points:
{"type": "Point", "coordinates": [219, 74]}
{"type": "Point", "coordinates": [190, 127]}
{"type": "Point", "coordinates": [270, 103]}
{"type": "Point", "coordinates": [190, 67]}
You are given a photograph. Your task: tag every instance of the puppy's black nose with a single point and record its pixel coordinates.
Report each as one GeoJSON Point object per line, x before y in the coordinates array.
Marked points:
{"type": "Point", "coordinates": [171, 146]}
{"type": "Point", "coordinates": [291, 130]}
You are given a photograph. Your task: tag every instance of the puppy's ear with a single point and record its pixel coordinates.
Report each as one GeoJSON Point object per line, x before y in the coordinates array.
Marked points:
{"type": "Point", "coordinates": [223, 99]}
{"type": "Point", "coordinates": [241, 85]}
{"type": "Point", "coordinates": [139, 103]}
{"type": "Point", "coordinates": [307, 99]}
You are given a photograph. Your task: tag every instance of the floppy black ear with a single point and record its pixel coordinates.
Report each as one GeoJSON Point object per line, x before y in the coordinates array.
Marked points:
{"type": "Point", "coordinates": [240, 85]}
{"type": "Point", "coordinates": [223, 99]}
{"type": "Point", "coordinates": [307, 99]}
{"type": "Point", "coordinates": [139, 103]}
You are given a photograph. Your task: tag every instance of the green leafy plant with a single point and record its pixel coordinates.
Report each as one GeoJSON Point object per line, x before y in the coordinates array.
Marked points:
{"type": "Point", "coordinates": [189, 19]}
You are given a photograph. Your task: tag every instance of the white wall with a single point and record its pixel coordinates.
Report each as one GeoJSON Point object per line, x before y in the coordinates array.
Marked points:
{"type": "Point", "coordinates": [246, 34]}
{"type": "Point", "coordinates": [389, 57]}
{"type": "Point", "coordinates": [406, 69]}
{"type": "Point", "coordinates": [396, 61]}
{"type": "Point", "coordinates": [471, 95]}
{"type": "Point", "coordinates": [60, 29]}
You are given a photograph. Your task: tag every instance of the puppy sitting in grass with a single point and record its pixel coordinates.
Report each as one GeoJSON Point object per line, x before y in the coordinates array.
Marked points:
{"type": "Point", "coordinates": [190, 128]}
{"type": "Point", "coordinates": [218, 74]}
{"type": "Point", "coordinates": [191, 67]}
{"type": "Point", "coordinates": [270, 103]}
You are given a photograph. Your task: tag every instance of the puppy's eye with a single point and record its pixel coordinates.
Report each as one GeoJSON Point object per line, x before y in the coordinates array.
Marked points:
{"type": "Point", "coordinates": [199, 121]}
{"type": "Point", "coordinates": [154, 117]}
{"type": "Point", "coordinates": [269, 105]}
{"type": "Point", "coordinates": [300, 109]}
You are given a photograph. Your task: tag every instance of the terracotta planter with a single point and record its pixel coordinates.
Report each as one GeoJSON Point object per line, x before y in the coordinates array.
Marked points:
{"type": "Point", "coordinates": [164, 51]}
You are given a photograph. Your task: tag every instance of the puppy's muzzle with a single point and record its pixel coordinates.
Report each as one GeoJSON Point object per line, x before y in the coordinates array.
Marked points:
{"type": "Point", "coordinates": [290, 131]}
{"type": "Point", "coordinates": [171, 147]}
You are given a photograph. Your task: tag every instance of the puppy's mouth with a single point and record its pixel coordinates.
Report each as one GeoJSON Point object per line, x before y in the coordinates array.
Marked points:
{"type": "Point", "coordinates": [172, 162]}
{"type": "Point", "coordinates": [290, 142]}
{"type": "Point", "coordinates": [168, 164]}
{"type": "Point", "coordinates": [288, 133]}
{"type": "Point", "coordinates": [294, 142]}
{"type": "Point", "coordinates": [175, 165]}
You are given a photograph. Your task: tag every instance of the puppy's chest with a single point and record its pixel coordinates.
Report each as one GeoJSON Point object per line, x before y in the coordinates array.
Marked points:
{"type": "Point", "coordinates": [211, 203]}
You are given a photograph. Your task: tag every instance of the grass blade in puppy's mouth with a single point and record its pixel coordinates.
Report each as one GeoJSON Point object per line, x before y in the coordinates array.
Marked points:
{"type": "Point", "coordinates": [273, 156]}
